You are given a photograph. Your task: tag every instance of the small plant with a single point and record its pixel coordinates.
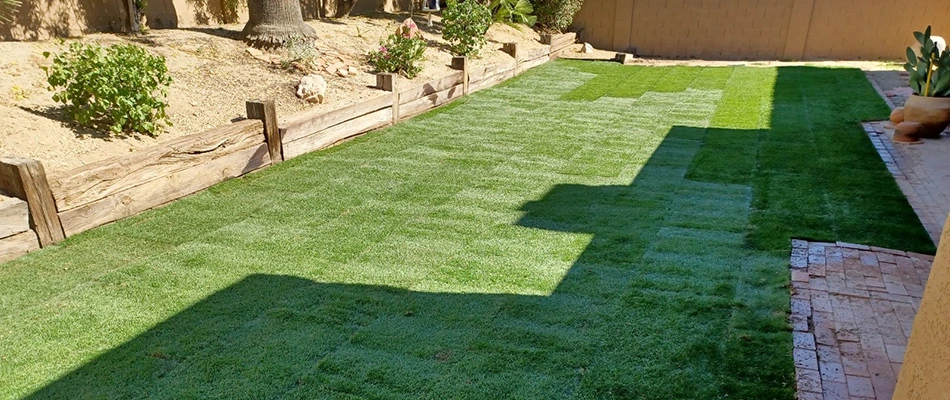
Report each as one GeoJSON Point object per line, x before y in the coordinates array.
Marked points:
{"type": "Point", "coordinates": [300, 51]}
{"type": "Point", "coordinates": [114, 85]}
{"type": "Point", "coordinates": [401, 52]}
{"type": "Point", "coordinates": [555, 16]}
{"type": "Point", "coordinates": [929, 71]}
{"type": "Point", "coordinates": [513, 11]}
{"type": "Point", "coordinates": [465, 25]}
{"type": "Point", "coordinates": [19, 93]}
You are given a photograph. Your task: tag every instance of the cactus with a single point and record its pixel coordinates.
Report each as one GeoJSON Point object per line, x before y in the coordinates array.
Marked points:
{"type": "Point", "coordinates": [929, 71]}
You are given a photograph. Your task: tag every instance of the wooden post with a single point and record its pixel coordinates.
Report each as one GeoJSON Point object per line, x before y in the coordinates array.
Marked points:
{"type": "Point", "coordinates": [511, 48]}
{"type": "Point", "coordinates": [387, 82]}
{"type": "Point", "coordinates": [461, 64]}
{"type": "Point", "coordinates": [26, 180]}
{"type": "Point", "coordinates": [266, 112]}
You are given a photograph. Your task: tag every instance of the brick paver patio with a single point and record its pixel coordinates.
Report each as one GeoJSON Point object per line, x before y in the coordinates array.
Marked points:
{"type": "Point", "coordinates": [852, 311]}
{"type": "Point", "coordinates": [922, 171]}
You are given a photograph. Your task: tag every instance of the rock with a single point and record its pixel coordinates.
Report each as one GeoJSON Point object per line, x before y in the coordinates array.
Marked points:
{"type": "Point", "coordinates": [354, 71]}
{"type": "Point", "coordinates": [255, 52]}
{"type": "Point", "coordinates": [299, 67]}
{"type": "Point", "coordinates": [259, 55]}
{"type": "Point", "coordinates": [408, 29]}
{"type": "Point", "coordinates": [587, 48]}
{"type": "Point", "coordinates": [897, 116]}
{"type": "Point", "coordinates": [312, 88]}
{"type": "Point", "coordinates": [624, 58]}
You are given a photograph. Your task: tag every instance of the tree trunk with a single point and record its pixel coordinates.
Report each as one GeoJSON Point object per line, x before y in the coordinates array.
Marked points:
{"type": "Point", "coordinates": [272, 23]}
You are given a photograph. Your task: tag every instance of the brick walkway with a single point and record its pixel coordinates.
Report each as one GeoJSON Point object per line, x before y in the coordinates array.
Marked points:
{"type": "Point", "coordinates": [922, 172]}
{"type": "Point", "coordinates": [852, 311]}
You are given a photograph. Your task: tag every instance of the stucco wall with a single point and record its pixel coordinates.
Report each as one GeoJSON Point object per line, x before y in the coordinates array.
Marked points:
{"type": "Point", "coordinates": [760, 29]}
{"type": "Point", "coordinates": [194, 13]}
{"type": "Point", "coordinates": [44, 19]}
{"type": "Point", "coordinates": [926, 371]}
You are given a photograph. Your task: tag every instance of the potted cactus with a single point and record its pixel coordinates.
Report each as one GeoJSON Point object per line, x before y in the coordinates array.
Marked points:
{"type": "Point", "coordinates": [927, 112]}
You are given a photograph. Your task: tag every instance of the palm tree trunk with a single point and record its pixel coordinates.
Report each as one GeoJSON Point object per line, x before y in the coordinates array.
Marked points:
{"type": "Point", "coordinates": [272, 23]}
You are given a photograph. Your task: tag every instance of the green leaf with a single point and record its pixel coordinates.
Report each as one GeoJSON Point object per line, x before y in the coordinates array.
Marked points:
{"type": "Point", "coordinates": [917, 86]}
{"type": "Point", "coordinates": [941, 84]}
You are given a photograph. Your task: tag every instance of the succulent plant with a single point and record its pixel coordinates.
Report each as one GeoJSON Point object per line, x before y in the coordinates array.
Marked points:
{"type": "Point", "coordinates": [929, 70]}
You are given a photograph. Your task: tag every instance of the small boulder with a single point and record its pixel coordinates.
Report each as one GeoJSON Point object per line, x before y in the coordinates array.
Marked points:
{"type": "Point", "coordinates": [312, 88]}
{"type": "Point", "coordinates": [587, 48]}
{"type": "Point", "coordinates": [256, 53]}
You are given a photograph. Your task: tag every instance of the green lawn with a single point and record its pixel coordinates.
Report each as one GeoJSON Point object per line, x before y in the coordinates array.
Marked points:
{"type": "Point", "coordinates": [588, 230]}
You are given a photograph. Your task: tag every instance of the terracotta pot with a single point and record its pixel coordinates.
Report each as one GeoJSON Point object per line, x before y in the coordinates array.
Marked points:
{"type": "Point", "coordinates": [931, 113]}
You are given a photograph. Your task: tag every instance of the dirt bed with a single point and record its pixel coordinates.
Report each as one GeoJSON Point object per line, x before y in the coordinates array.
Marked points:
{"type": "Point", "coordinates": [213, 75]}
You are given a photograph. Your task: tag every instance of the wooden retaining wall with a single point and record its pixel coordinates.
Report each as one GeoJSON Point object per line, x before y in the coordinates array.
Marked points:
{"type": "Point", "coordinates": [115, 188]}
{"type": "Point", "coordinates": [102, 192]}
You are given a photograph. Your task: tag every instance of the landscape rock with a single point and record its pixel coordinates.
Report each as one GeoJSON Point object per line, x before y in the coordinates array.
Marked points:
{"type": "Point", "coordinates": [587, 48]}
{"type": "Point", "coordinates": [254, 52]}
{"type": "Point", "coordinates": [312, 88]}
{"type": "Point", "coordinates": [258, 54]}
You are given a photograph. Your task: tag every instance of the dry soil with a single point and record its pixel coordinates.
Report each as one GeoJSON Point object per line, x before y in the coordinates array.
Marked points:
{"type": "Point", "coordinates": [213, 75]}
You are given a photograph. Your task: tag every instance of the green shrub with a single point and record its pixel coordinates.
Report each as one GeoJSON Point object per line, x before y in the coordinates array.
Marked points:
{"type": "Point", "coordinates": [114, 85]}
{"type": "Point", "coordinates": [465, 25]}
{"type": "Point", "coordinates": [401, 52]}
{"type": "Point", "coordinates": [513, 11]}
{"type": "Point", "coordinates": [556, 15]}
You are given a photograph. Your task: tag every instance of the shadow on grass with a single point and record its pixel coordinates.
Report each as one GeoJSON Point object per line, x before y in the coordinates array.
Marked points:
{"type": "Point", "coordinates": [678, 294]}
{"type": "Point", "coordinates": [607, 330]}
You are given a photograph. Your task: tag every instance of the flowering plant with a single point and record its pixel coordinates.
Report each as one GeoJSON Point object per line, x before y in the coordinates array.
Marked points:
{"type": "Point", "coordinates": [465, 25]}
{"type": "Point", "coordinates": [401, 51]}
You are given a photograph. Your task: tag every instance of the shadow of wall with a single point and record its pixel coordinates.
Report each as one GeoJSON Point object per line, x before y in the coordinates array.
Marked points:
{"type": "Point", "coordinates": [674, 253]}
{"type": "Point", "coordinates": [194, 13]}
{"type": "Point", "coordinates": [45, 19]}
{"type": "Point", "coordinates": [315, 9]}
